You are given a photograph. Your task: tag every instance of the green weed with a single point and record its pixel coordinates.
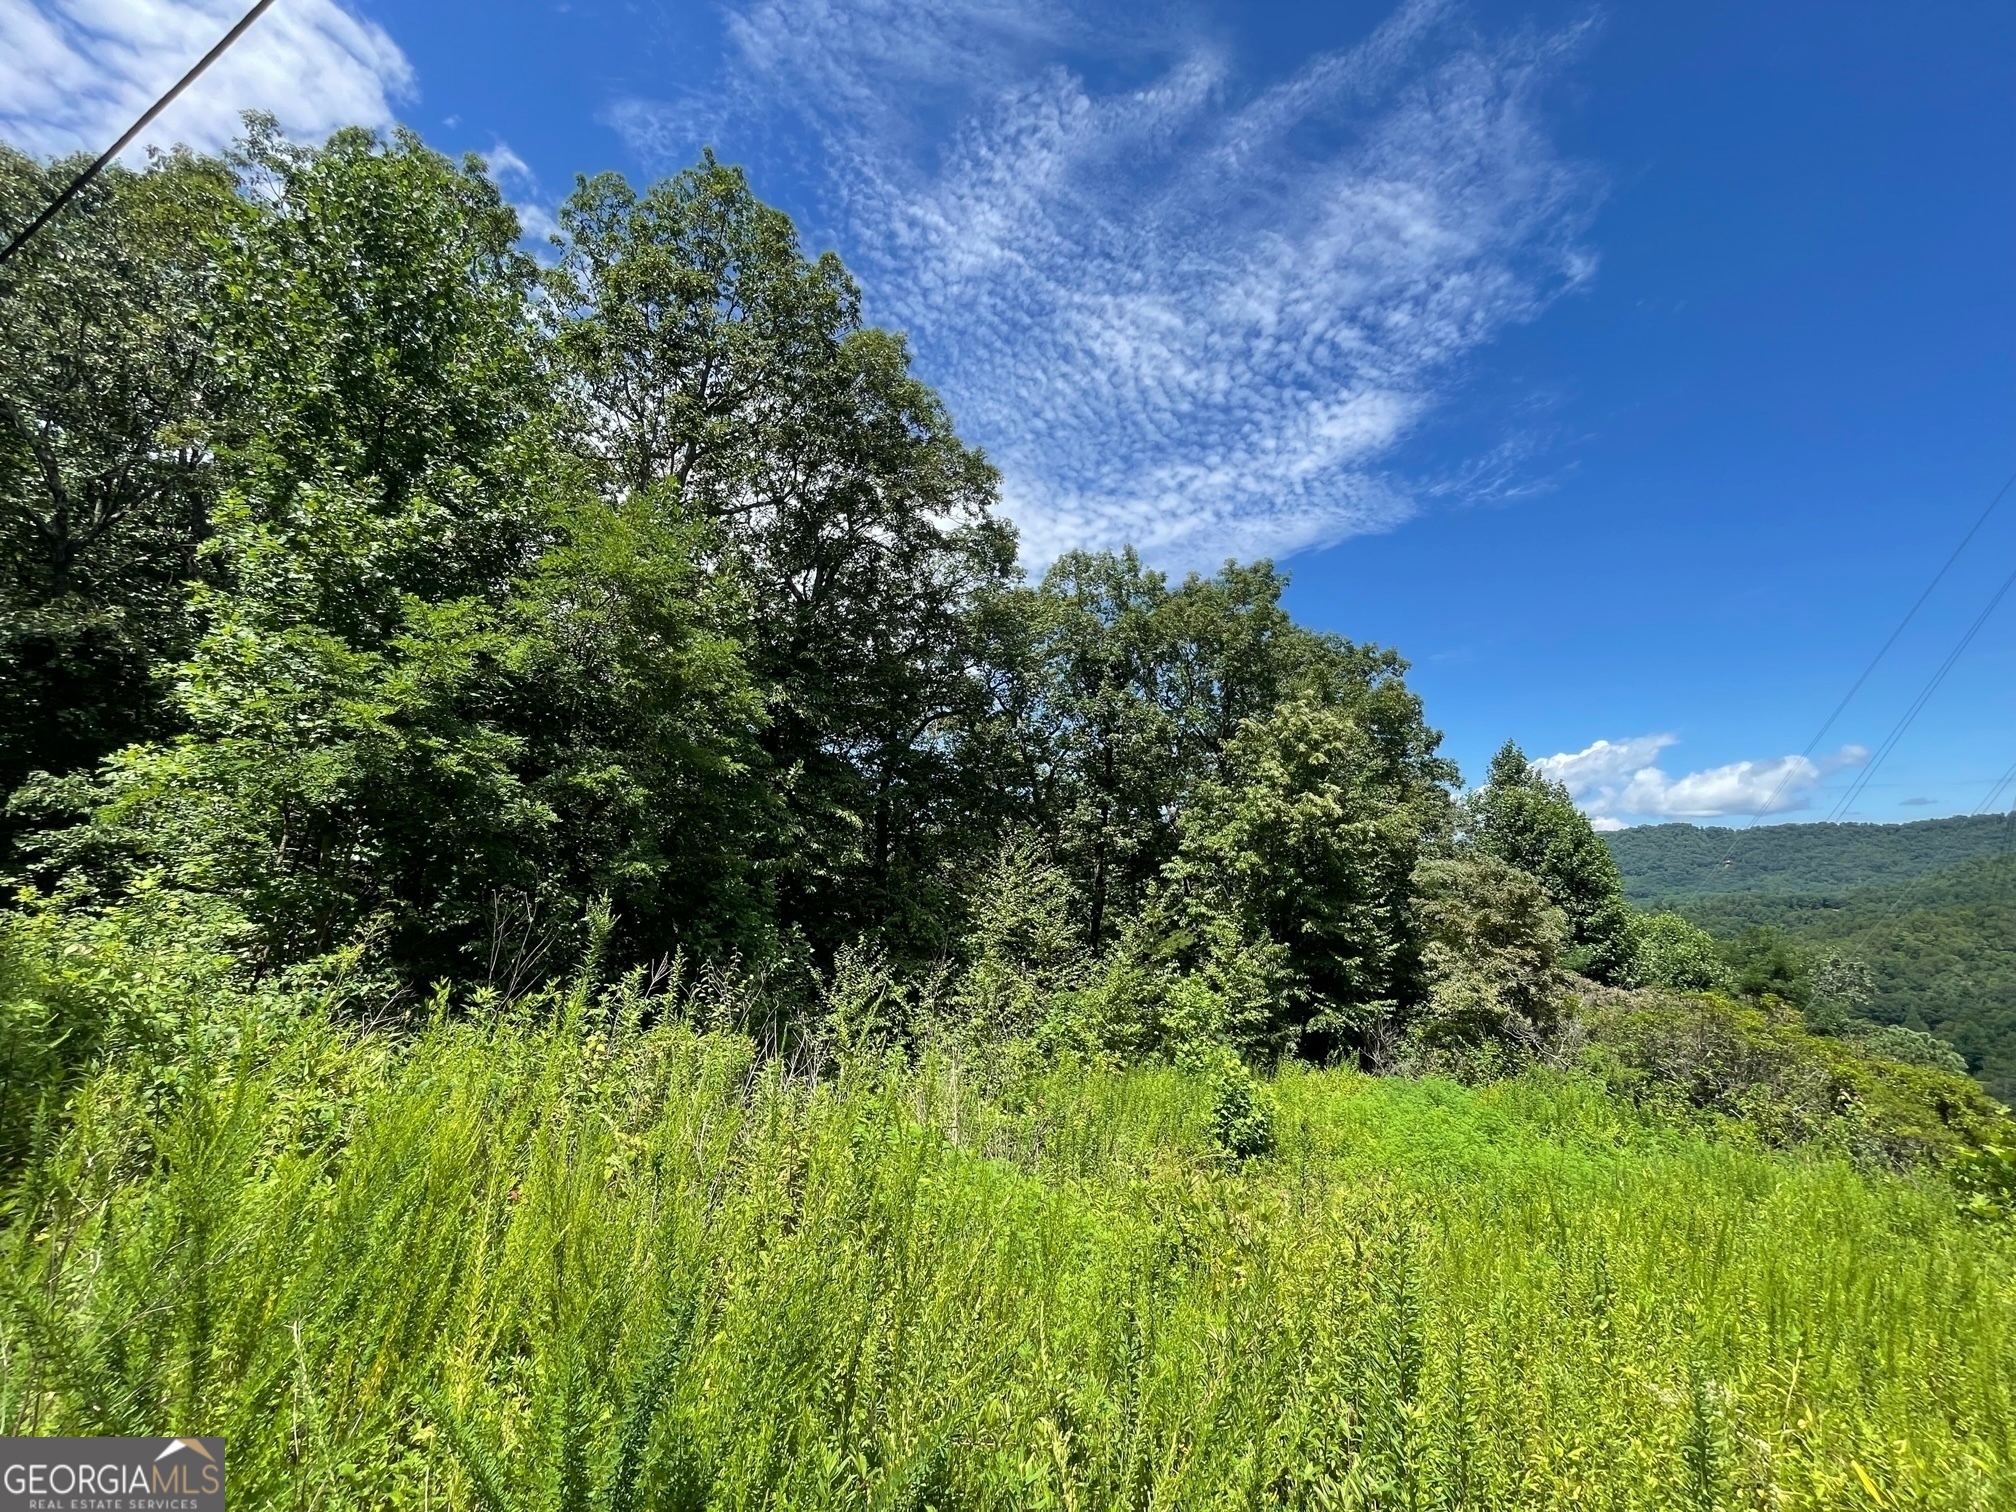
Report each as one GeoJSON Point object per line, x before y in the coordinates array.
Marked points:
{"type": "Point", "coordinates": [561, 1263]}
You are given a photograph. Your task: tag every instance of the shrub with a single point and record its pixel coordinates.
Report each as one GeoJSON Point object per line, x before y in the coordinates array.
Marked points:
{"type": "Point", "coordinates": [1023, 949]}
{"type": "Point", "coordinates": [1667, 951]}
{"type": "Point", "coordinates": [1242, 1111]}
{"type": "Point", "coordinates": [1756, 1065]}
{"type": "Point", "coordinates": [1841, 990]}
{"type": "Point", "coordinates": [1913, 1047]}
{"type": "Point", "coordinates": [1492, 953]}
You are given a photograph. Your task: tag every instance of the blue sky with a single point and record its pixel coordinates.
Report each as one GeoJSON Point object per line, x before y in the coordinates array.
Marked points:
{"type": "Point", "coordinates": [1630, 369]}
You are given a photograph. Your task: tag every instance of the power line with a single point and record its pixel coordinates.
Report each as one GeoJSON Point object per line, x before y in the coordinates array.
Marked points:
{"type": "Point", "coordinates": [1918, 704]}
{"type": "Point", "coordinates": [1994, 798]}
{"type": "Point", "coordinates": [1791, 768]}
{"type": "Point", "coordinates": [134, 130]}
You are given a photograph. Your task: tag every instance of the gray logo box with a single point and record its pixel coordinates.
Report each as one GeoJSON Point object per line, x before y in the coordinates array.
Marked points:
{"type": "Point", "coordinates": [111, 1475]}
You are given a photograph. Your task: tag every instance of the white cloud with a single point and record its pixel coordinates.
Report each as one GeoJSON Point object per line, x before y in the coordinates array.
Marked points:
{"type": "Point", "coordinates": [515, 176]}
{"type": "Point", "coordinates": [1612, 780]}
{"type": "Point", "coordinates": [538, 224]}
{"type": "Point", "coordinates": [508, 168]}
{"type": "Point", "coordinates": [1605, 766]}
{"type": "Point", "coordinates": [1179, 312]}
{"type": "Point", "coordinates": [74, 74]}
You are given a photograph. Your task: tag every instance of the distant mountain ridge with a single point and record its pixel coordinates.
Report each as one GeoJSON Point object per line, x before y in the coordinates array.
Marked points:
{"type": "Point", "coordinates": [1930, 906]}
{"type": "Point", "coordinates": [1676, 861]}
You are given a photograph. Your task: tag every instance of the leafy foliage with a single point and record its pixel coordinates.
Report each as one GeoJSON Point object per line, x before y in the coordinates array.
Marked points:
{"type": "Point", "coordinates": [565, 743]}
{"type": "Point", "coordinates": [1307, 845]}
{"type": "Point", "coordinates": [701, 355]}
{"type": "Point", "coordinates": [1493, 956]}
{"type": "Point", "coordinates": [1937, 945]}
{"type": "Point", "coordinates": [1759, 1067]}
{"type": "Point", "coordinates": [1525, 819]}
{"type": "Point", "coordinates": [1667, 951]}
{"type": "Point", "coordinates": [1913, 1047]}
{"type": "Point", "coordinates": [1120, 695]}
{"type": "Point", "coordinates": [589, 940]}
{"type": "Point", "coordinates": [109, 397]}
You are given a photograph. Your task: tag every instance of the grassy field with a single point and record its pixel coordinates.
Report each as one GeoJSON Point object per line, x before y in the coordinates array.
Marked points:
{"type": "Point", "coordinates": [550, 1264]}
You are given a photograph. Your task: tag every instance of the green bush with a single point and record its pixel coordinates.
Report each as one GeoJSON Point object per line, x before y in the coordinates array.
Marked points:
{"type": "Point", "coordinates": [1669, 952]}
{"type": "Point", "coordinates": [1914, 1047]}
{"type": "Point", "coordinates": [1758, 1067]}
{"type": "Point", "coordinates": [1493, 954]}
{"type": "Point", "coordinates": [1242, 1110]}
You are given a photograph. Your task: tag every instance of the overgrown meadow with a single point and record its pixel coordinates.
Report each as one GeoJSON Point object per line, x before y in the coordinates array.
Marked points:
{"type": "Point", "coordinates": [585, 1250]}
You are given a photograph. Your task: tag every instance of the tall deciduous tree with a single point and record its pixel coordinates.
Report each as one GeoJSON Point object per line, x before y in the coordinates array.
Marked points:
{"type": "Point", "coordinates": [1522, 817]}
{"type": "Point", "coordinates": [700, 349]}
{"type": "Point", "coordinates": [438, 666]}
{"type": "Point", "coordinates": [1124, 694]}
{"type": "Point", "coordinates": [389, 422]}
{"type": "Point", "coordinates": [108, 403]}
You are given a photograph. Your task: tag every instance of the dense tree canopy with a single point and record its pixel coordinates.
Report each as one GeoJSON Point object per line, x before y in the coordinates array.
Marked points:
{"type": "Point", "coordinates": [108, 406]}
{"type": "Point", "coordinates": [1941, 947]}
{"type": "Point", "coordinates": [698, 352]}
{"type": "Point", "coordinates": [371, 589]}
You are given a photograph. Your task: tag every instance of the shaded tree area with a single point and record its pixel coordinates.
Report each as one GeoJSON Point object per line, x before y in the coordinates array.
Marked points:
{"type": "Point", "coordinates": [372, 589]}
{"type": "Point", "coordinates": [107, 413]}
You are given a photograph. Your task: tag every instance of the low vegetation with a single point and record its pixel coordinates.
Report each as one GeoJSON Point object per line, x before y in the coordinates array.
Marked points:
{"type": "Point", "coordinates": [585, 1250]}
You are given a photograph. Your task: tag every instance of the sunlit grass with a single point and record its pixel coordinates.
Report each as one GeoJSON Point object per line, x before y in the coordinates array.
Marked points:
{"type": "Point", "coordinates": [533, 1266]}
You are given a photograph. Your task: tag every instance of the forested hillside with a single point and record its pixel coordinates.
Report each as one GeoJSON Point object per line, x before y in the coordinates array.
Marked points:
{"type": "Point", "coordinates": [581, 934]}
{"type": "Point", "coordinates": [1665, 862]}
{"type": "Point", "coordinates": [1941, 948]}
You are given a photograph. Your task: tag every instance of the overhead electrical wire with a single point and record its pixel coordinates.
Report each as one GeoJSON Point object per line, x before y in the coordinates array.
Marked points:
{"type": "Point", "coordinates": [1902, 900]}
{"type": "Point", "coordinates": [1791, 768]}
{"type": "Point", "coordinates": [1994, 798]}
{"type": "Point", "coordinates": [1917, 705]}
{"type": "Point", "coordinates": [71, 190]}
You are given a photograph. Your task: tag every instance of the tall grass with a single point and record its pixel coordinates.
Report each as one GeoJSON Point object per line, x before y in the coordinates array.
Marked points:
{"type": "Point", "coordinates": [516, 1264]}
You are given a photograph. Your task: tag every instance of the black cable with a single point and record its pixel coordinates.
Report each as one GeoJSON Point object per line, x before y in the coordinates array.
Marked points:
{"type": "Point", "coordinates": [133, 131]}
{"type": "Point", "coordinates": [1881, 652]}
{"type": "Point", "coordinates": [1861, 782]}
{"type": "Point", "coordinates": [1993, 800]}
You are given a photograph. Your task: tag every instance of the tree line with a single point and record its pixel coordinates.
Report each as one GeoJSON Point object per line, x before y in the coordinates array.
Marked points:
{"type": "Point", "coordinates": [370, 586]}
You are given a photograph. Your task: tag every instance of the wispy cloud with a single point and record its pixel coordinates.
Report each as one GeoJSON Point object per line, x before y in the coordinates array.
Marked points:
{"type": "Point", "coordinates": [512, 172]}
{"type": "Point", "coordinates": [516, 178]}
{"type": "Point", "coordinates": [1181, 311]}
{"type": "Point", "coordinates": [76, 73]}
{"type": "Point", "coordinates": [1616, 780]}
